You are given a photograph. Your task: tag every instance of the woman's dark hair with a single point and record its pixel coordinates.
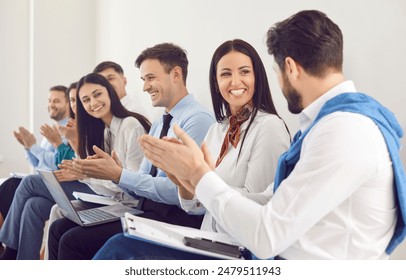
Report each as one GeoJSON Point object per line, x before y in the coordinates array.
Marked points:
{"type": "Point", "coordinates": [91, 129]}
{"type": "Point", "coordinates": [262, 99]}
{"type": "Point", "coordinates": [72, 86]}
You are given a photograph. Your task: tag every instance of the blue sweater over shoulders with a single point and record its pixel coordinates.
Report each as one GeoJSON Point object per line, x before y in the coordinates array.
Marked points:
{"type": "Point", "coordinates": [392, 132]}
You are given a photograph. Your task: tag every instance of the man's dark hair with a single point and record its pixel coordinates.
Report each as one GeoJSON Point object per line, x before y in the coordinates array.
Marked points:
{"type": "Point", "coordinates": [108, 64]}
{"type": "Point", "coordinates": [311, 39]}
{"type": "Point", "coordinates": [61, 88]}
{"type": "Point", "coordinates": [169, 55]}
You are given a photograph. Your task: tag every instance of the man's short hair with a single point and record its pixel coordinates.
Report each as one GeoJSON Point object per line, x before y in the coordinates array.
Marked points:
{"type": "Point", "coordinates": [169, 55]}
{"type": "Point", "coordinates": [61, 88]}
{"type": "Point", "coordinates": [311, 39]}
{"type": "Point", "coordinates": [108, 64]}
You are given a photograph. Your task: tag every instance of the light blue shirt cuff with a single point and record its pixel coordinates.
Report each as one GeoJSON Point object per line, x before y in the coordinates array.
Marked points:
{"type": "Point", "coordinates": [127, 178]}
{"type": "Point", "coordinates": [35, 150]}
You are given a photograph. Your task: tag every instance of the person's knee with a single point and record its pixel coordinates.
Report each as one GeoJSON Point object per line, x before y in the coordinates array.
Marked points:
{"type": "Point", "coordinates": [30, 179]}
{"type": "Point", "coordinates": [28, 184]}
{"type": "Point", "coordinates": [109, 249]}
{"type": "Point", "coordinates": [57, 230]}
{"type": "Point", "coordinates": [38, 207]}
{"type": "Point", "coordinates": [116, 240]}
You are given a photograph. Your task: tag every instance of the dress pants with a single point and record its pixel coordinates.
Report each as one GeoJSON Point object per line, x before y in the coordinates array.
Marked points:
{"type": "Point", "coordinates": [120, 247]}
{"type": "Point", "coordinates": [68, 241]}
{"type": "Point", "coordinates": [24, 226]}
{"type": "Point", "coordinates": [7, 191]}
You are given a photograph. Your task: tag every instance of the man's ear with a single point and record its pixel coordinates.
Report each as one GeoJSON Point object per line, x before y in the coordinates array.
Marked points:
{"type": "Point", "coordinates": [177, 73]}
{"type": "Point", "coordinates": [292, 68]}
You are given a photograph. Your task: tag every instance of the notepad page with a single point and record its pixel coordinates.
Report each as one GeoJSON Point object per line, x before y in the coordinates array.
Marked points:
{"type": "Point", "coordinates": [171, 235]}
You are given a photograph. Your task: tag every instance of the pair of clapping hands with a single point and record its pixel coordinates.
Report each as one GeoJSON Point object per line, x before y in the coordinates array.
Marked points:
{"type": "Point", "coordinates": [182, 159]}
{"type": "Point", "coordinates": [100, 166]}
{"type": "Point", "coordinates": [51, 133]}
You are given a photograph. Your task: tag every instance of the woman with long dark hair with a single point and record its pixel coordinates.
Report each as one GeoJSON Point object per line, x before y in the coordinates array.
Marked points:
{"type": "Point", "coordinates": [249, 136]}
{"type": "Point", "coordinates": [104, 122]}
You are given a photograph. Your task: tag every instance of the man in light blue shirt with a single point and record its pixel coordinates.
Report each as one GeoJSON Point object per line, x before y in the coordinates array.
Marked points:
{"type": "Point", "coordinates": [164, 70]}
{"type": "Point", "coordinates": [187, 113]}
{"type": "Point", "coordinates": [43, 156]}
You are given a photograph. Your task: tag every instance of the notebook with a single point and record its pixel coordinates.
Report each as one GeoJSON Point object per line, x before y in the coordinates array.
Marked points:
{"type": "Point", "coordinates": [212, 244]}
{"type": "Point", "coordinates": [87, 217]}
{"type": "Point", "coordinates": [95, 198]}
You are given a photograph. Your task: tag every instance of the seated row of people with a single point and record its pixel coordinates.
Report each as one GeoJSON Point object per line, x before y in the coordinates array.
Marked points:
{"type": "Point", "coordinates": [52, 149]}
{"type": "Point", "coordinates": [32, 202]}
{"type": "Point", "coordinates": [317, 199]}
{"type": "Point", "coordinates": [244, 110]}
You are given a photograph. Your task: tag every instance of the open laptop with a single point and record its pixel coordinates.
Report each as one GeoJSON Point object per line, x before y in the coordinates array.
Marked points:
{"type": "Point", "coordinates": [87, 217]}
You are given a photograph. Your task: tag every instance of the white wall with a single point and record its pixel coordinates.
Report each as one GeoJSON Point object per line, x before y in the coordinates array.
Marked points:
{"type": "Point", "coordinates": [373, 34]}
{"type": "Point", "coordinates": [47, 42]}
{"type": "Point", "coordinates": [13, 81]}
{"type": "Point", "coordinates": [64, 34]}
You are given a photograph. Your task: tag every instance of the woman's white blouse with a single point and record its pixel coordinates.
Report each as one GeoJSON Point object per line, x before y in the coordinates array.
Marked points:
{"type": "Point", "coordinates": [252, 169]}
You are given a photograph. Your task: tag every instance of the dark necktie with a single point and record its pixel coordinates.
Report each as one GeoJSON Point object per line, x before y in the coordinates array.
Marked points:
{"type": "Point", "coordinates": [166, 121]}
{"type": "Point", "coordinates": [164, 212]}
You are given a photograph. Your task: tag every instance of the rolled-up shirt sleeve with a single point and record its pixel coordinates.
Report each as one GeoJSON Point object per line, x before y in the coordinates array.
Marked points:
{"type": "Point", "coordinates": [41, 158]}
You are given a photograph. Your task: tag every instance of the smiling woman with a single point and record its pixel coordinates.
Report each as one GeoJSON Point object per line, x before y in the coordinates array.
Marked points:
{"type": "Point", "coordinates": [236, 79]}
{"type": "Point", "coordinates": [104, 122]}
{"type": "Point", "coordinates": [96, 102]}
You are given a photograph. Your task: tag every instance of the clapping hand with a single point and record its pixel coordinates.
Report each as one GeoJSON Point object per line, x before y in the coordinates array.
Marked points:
{"type": "Point", "coordinates": [52, 134]}
{"type": "Point", "coordinates": [24, 137]}
{"type": "Point", "coordinates": [183, 159]}
{"type": "Point", "coordinates": [68, 131]}
{"type": "Point", "coordinates": [100, 166]}
{"type": "Point", "coordinates": [64, 175]}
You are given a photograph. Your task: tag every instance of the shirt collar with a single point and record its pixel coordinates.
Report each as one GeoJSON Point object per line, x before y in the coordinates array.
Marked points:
{"type": "Point", "coordinates": [309, 114]}
{"type": "Point", "coordinates": [115, 125]}
{"type": "Point", "coordinates": [179, 108]}
{"type": "Point", "coordinates": [125, 100]}
{"type": "Point", "coordinates": [63, 122]}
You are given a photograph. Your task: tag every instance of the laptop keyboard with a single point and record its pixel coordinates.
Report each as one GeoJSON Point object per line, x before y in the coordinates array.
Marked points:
{"type": "Point", "coordinates": [94, 215]}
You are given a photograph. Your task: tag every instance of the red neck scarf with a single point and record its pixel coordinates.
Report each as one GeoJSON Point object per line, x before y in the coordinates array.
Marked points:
{"type": "Point", "coordinates": [233, 132]}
